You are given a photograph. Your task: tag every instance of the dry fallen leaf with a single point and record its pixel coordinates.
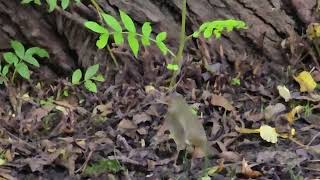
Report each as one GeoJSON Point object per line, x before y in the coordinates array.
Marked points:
{"type": "Point", "coordinates": [127, 125]}
{"type": "Point", "coordinates": [247, 171]}
{"type": "Point", "coordinates": [273, 110]}
{"type": "Point", "coordinates": [306, 82]}
{"type": "Point", "coordinates": [102, 109]}
{"type": "Point", "coordinates": [184, 126]}
{"type": "Point", "coordinates": [291, 115]}
{"type": "Point", "coordinates": [284, 93]}
{"type": "Point", "coordinates": [267, 133]}
{"type": "Point", "coordinates": [221, 101]}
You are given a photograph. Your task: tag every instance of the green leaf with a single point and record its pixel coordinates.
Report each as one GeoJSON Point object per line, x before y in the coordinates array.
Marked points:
{"type": "Point", "coordinates": [5, 70]}
{"type": "Point", "coordinates": [161, 36]}
{"type": "Point", "coordinates": [146, 31]}
{"type": "Point", "coordinates": [196, 34]}
{"type": "Point", "coordinates": [162, 47]}
{"type": "Point", "coordinates": [38, 2]}
{"type": "Point", "coordinates": [18, 48]}
{"type": "Point", "coordinates": [23, 70]}
{"type": "Point", "coordinates": [31, 60]}
{"type": "Point", "coordinates": [173, 67]}
{"type": "Point", "coordinates": [133, 43]}
{"type": "Point", "coordinates": [118, 38]}
{"type": "Point", "coordinates": [208, 31]}
{"type": "Point", "coordinates": [91, 71]}
{"type": "Point", "coordinates": [127, 22]}
{"type": "Point", "coordinates": [52, 5]}
{"type": "Point", "coordinates": [65, 4]}
{"type": "Point", "coordinates": [102, 41]}
{"type": "Point", "coordinates": [36, 51]}
{"type": "Point", "coordinates": [99, 78]}
{"type": "Point", "coordinates": [76, 77]}
{"type": "Point", "coordinates": [91, 86]}
{"type": "Point", "coordinates": [26, 1]}
{"type": "Point", "coordinates": [102, 166]}
{"type": "Point", "coordinates": [95, 27]}
{"type": "Point", "coordinates": [112, 22]}
{"type": "Point", "coordinates": [10, 58]}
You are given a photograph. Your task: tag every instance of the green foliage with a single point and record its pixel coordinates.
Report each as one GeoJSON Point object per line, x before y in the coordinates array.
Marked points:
{"type": "Point", "coordinates": [235, 82]}
{"type": "Point", "coordinates": [89, 77]}
{"type": "Point", "coordinates": [103, 166]}
{"type": "Point", "coordinates": [20, 58]}
{"type": "Point", "coordinates": [52, 4]}
{"type": "Point", "coordinates": [173, 67]}
{"type": "Point", "coordinates": [126, 29]}
{"type": "Point", "coordinates": [216, 28]}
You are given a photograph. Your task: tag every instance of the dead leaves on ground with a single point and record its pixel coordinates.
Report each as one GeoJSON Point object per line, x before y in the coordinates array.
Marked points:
{"type": "Point", "coordinates": [221, 101]}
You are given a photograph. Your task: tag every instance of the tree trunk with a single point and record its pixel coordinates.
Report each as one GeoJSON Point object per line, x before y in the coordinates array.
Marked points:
{"type": "Point", "coordinates": [69, 43]}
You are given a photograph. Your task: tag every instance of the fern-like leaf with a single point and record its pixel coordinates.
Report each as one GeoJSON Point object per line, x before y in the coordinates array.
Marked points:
{"type": "Point", "coordinates": [217, 27]}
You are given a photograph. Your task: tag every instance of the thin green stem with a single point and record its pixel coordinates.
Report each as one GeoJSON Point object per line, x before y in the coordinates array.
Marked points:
{"type": "Point", "coordinates": [182, 42]}
{"type": "Point", "coordinates": [13, 76]}
{"type": "Point", "coordinates": [99, 11]}
{"type": "Point", "coordinates": [151, 39]}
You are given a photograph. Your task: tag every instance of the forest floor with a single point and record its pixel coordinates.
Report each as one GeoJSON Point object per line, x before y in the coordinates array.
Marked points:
{"type": "Point", "coordinates": [52, 130]}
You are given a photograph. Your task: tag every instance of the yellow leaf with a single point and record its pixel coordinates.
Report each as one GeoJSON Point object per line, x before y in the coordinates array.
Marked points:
{"type": "Point", "coordinates": [306, 82]}
{"type": "Point", "coordinates": [2, 162]}
{"type": "Point", "coordinates": [268, 134]}
{"type": "Point", "coordinates": [284, 93]}
{"type": "Point", "coordinates": [313, 31]}
{"type": "Point", "coordinates": [291, 115]}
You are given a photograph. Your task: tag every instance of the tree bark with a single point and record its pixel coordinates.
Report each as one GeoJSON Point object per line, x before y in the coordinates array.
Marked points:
{"type": "Point", "coordinates": [70, 44]}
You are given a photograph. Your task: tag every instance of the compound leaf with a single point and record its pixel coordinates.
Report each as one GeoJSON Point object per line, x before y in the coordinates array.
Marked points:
{"type": "Point", "coordinates": [91, 86]}
{"type": "Point", "coordinates": [23, 70]}
{"type": "Point", "coordinates": [18, 48]}
{"type": "Point", "coordinates": [133, 43]}
{"type": "Point", "coordinates": [76, 77]}
{"type": "Point", "coordinates": [91, 71]}
{"type": "Point", "coordinates": [95, 27]}
{"type": "Point", "coordinates": [127, 22]}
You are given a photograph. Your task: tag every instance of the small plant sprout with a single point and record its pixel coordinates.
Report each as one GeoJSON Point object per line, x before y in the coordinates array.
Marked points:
{"type": "Point", "coordinates": [89, 78]}
{"type": "Point", "coordinates": [51, 3]}
{"type": "Point", "coordinates": [20, 59]}
{"type": "Point", "coordinates": [235, 81]}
